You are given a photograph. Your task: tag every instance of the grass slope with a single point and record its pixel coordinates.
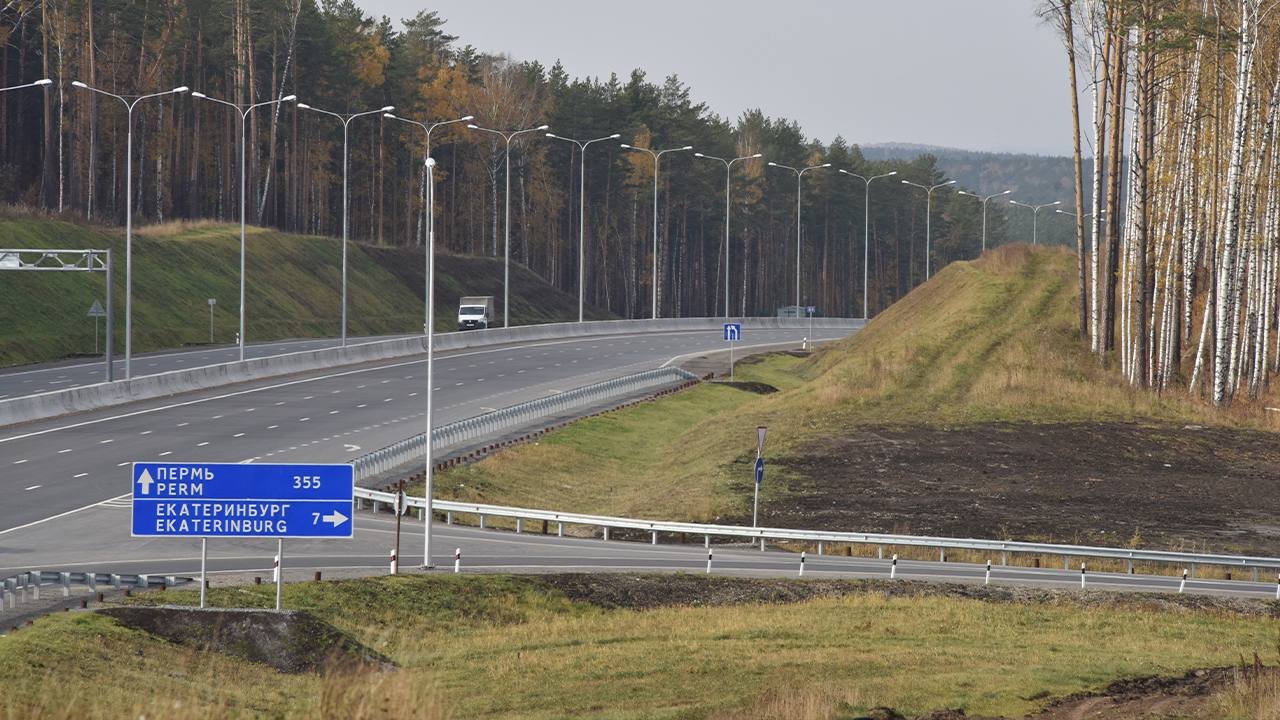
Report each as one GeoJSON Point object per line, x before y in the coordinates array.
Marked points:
{"type": "Point", "coordinates": [987, 341]}
{"type": "Point", "coordinates": [494, 646]}
{"type": "Point", "coordinates": [293, 288]}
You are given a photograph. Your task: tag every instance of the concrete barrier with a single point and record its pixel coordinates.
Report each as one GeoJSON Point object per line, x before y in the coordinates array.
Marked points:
{"type": "Point", "coordinates": [81, 398]}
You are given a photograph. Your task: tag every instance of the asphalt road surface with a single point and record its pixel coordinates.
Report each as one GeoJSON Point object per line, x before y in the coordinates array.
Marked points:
{"type": "Point", "coordinates": [64, 464]}
{"type": "Point", "coordinates": [46, 377]}
{"type": "Point", "coordinates": [97, 540]}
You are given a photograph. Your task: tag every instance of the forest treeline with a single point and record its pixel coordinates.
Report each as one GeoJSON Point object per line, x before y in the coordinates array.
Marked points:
{"type": "Point", "coordinates": [1182, 106]}
{"type": "Point", "coordinates": [63, 150]}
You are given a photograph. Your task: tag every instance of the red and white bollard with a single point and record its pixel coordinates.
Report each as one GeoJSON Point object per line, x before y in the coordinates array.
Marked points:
{"type": "Point", "coordinates": [395, 562]}
{"type": "Point", "coordinates": [457, 560]}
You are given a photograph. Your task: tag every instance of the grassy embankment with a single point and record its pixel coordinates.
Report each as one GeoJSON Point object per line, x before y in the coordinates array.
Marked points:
{"type": "Point", "coordinates": [491, 646]}
{"type": "Point", "coordinates": [988, 340]}
{"type": "Point", "coordinates": [293, 288]}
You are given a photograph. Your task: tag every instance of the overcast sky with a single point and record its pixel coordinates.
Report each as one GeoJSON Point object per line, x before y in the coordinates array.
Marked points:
{"type": "Point", "coordinates": [974, 74]}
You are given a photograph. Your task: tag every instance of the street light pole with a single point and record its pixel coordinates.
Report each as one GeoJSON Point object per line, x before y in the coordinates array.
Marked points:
{"type": "Point", "coordinates": [928, 217]}
{"type": "Point", "coordinates": [130, 102]}
{"type": "Point", "coordinates": [582, 210]}
{"type": "Point", "coordinates": [799, 175]}
{"type": "Point", "coordinates": [243, 111]}
{"type": "Point", "coordinates": [429, 200]}
{"type": "Point", "coordinates": [983, 200]}
{"type": "Point", "coordinates": [866, 230]}
{"type": "Point", "coordinates": [1035, 214]}
{"type": "Point", "coordinates": [656, 156]}
{"type": "Point", "coordinates": [728, 168]}
{"type": "Point", "coordinates": [507, 136]}
{"type": "Point", "coordinates": [345, 119]}
{"type": "Point", "coordinates": [429, 472]}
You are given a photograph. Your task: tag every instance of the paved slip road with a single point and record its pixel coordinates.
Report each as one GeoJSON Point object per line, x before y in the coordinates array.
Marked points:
{"type": "Point", "coordinates": [64, 464]}
{"type": "Point", "coordinates": [62, 374]}
{"type": "Point", "coordinates": [97, 539]}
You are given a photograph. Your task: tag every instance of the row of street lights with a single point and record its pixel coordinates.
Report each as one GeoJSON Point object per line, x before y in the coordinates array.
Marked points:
{"type": "Point", "coordinates": [244, 111]}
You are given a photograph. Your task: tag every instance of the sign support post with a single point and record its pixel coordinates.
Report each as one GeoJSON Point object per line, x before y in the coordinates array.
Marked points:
{"type": "Point", "coordinates": [279, 571]}
{"type": "Point", "coordinates": [732, 334]}
{"type": "Point", "coordinates": [204, 559]}
{"type": "Point", "coordinates": [755, 503]}
{"type": "Point", "coordinates": [212, 302]}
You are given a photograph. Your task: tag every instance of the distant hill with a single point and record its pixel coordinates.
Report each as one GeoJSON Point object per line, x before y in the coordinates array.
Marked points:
{"type": "Point", "coordinates": [1034, 179]}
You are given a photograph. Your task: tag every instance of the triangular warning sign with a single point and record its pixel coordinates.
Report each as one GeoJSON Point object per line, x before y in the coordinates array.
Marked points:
{"type": "Point", "coordinates": [96, 310]}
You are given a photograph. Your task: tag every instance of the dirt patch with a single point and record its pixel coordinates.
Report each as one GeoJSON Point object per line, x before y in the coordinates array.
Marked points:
{"type": "Point", "coordinates": [646, 592]}
{"type": "Point", "coordinates": [1168, 486]}
{"type": "Point", "coordinates": [290, 641]}
{"type": "Point", "coordinates": [758, 388]}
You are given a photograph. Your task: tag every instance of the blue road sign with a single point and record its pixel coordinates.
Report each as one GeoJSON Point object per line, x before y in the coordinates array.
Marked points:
{"type": "Point", "coordinates": [732, 331]}
{"type": "Point", "coordinates": [759, 471]}
{"type": "Point", "coordinates": [810, 310]}
{"type": "Point", "coordinates": [242, 500]}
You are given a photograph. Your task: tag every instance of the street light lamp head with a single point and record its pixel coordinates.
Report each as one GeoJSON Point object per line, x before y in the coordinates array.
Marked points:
{"type": "Point", "coordinates": [615, 136]}
{"type": "Point", "coordinates": [698, 154]}
{"type": "Point", "coordinates": [77, 83]}
{"type": "Point", "coordinates": [1056, 202]}
{"type": "Point", "coordinates": [626, 146]}
{"type": "Point", "coordinates": [1006, 192]}
{"type": "Point", "coordinates": [544, 127]}
{"type": "Point", "coordinates": [758, 155]}
{"type": "Point", "coordinates": [43, 81]}
{"type": "Point", "coordinates": [846, 172]}
{"type": "Point", "coordinates": [389, 115]}
{"type": "Point", "coordinates": [431, 162]}
{"type": "Point", "coordinates": [905, 182]}
{"type": "Point", "coordinates": [895, 172]}
{"type": "Point", "coordinates": [773, 164]}
{"type": "Point", "coordinates": [181, 89]}
{"type": "Point", "coordinates": [198, 95]}
{"type": "Point", "coordinates": [687, 147]}
{"type": "Point", "coordinates": [389, 108]}
{"type": "Point", "coordinates": [288, 98]}
{"type": "Point", "coordinates": [468, 117]}
{"type": "Point", "coordinates": [473, 126]}
{"type": "Point", "coordinates": [949, 182]}
{"type": "Point", "coordinates": [553, 135]}
{"type": "Point", "coordinates": [825, 165]}
{"type": "Point", "coordinates": [304, 106]}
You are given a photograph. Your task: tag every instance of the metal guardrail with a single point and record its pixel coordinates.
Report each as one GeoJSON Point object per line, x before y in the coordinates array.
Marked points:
{"type": "Point", "coordinates": [471, 429]}
{"type": "Point", "coordinates": [824, 536]}
{"type": "Point", "coordinates": [13, 590]}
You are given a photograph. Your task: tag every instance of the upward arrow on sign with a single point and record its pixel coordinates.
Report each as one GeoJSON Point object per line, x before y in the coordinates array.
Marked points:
{"type": "Point", "coordinates": [145, 481]}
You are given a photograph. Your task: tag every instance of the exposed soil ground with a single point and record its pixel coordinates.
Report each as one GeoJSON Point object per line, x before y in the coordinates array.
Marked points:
{"type": "Point", "coordinates": [1171, 486]}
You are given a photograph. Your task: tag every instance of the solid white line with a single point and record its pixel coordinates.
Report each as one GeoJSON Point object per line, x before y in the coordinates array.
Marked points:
{"type": "Point", "coordinates": [206, 442]}
{"type": "Point", "coordinates": [33, 487]}
{"type": "Point", "coordinates": [166, 452]}
{"type": "Point", "coordinates": [80, 475]}
{"type": "Point", "coordinates": [19, 462]}
{"type": "Point", "coordinates": [108, 440]}
{"type": "Point", "coordinates": [67, 450]}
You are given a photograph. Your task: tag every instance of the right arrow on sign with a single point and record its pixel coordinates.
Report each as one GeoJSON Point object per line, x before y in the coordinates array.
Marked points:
{"type": "Point", "coordinates": [335, 517]}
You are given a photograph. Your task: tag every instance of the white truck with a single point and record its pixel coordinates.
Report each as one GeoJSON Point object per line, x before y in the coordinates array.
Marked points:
{"type": "Point", "coordinates": [475, 312]}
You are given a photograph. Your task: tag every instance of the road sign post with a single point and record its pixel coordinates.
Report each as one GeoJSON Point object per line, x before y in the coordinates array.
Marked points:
{"type": "Point", "coordinates": [212, 302]}
{"type": "Point", "coordinates": [204, 500]}
{"type": "Point", "coordinates": [810, 310]}
{"type": "Point", "coordinates": [761, 430]}
{"type": "Point", "coordinates": [732, 334]}
{"type": "Point", "coordinates": [96, 311]}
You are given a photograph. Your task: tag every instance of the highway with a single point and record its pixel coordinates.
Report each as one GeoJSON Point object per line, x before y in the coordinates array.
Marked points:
{"type": "Point", "coordinates": [65, 464]}
{"type": "Point", "coordinates": [46, 377]}
{"type": "Point", "coordinates": [78, 543]}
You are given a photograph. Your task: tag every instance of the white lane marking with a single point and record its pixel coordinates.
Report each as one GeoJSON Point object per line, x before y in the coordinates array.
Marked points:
{"type": "Point", "coordinates": [386, 400]}
{"type": "Point", "coordinates": [19, 462]}
{"type": "Point", "coordinates": [242, 435]}
{"type": "Point", "coordinates": [216, 417]}
{"type": "Point", "coordinates": [272, 427]}
{"type": "Point", "coordinates": [335, 412]}
{"type": "Point", "coordinates": [108, 440]}
{"type": "Point", "coordinates": [145, 432]}
{"type": "Point", "coordinates": [80, 475]}
{"type": "Point", "coordinates": [166, 452]}
{"type": "Point", "coordinates": [202, 444]}
{"type": "Point", "coordinates": [33, 487]}
{"type": "Point", "coordinates": [309, 397]}
{"type": "Point", "coordinates": [361, 405]}
{"type": "Point", "coordinates": [303, 419]}
{"type": "Point", "coordinates": [413, 394]}
{"type": "Point", "coordinates": [183, 424]}
{"type": "Point", "coordinates": [334, 392]}
{"type": "Point", "coordinates": [250, 409]}
{"type": "Point", "coordinates": [279, 403]}
{"type": "Point", "coordinates": [126, 462]}
{"type": "Point", "coordinates": [66, 450]}
{"type": "Point", "coordinates": [384, 382]}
